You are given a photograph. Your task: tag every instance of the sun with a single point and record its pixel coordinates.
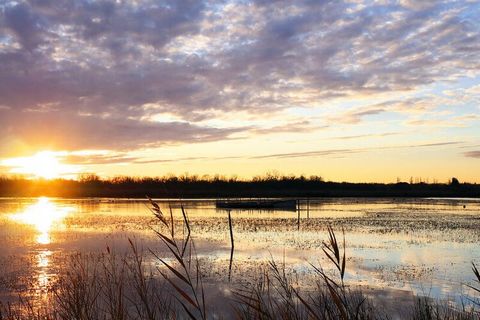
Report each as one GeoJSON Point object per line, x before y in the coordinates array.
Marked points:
{"type": "Point", "coordinates": [43, 164]}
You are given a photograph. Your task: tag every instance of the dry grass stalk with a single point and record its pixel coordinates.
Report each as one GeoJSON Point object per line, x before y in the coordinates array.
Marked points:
{"type": "Point", "coordinates": [188, 283]}
{"type": "Point", "coordinates": [477, 275]}
{"type": "Point", "coordinates": [77, 293]}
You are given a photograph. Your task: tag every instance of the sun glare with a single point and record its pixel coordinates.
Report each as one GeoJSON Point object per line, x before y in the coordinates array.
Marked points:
{"type": "Point", "coordinates": [42, 215]}
{"type": "Point", "coordinates": [43, 164]}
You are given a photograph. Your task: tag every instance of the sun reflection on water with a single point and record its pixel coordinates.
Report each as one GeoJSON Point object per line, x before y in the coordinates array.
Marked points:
{"type": "Point", "coordinates": [42, 215]}
{"type": "Point", "coordinates": [43, 262]}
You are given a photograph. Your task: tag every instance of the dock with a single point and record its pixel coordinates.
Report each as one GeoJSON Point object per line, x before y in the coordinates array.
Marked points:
{"type": "Point", "coordinates": [290, 204]}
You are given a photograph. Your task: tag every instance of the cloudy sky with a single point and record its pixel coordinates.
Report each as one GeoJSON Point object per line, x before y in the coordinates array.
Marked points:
{"type": "Point", "coordinates": [352, 91]}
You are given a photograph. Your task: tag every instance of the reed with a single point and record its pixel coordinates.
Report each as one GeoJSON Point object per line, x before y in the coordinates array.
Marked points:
{"type": "Point", "coordinates": [77, 293]}
{"type": "Point", "coordinates": [232, 248]}
{"type": "Point", "coordinates": [427, 309]}
{"type": "Point", "coordinates": [187, 280]}
{"type": "Point", "coordinates": [147, 296]}
{"type": "Point", "coordinates": [477, 275]}
{"type": "Point", "coordinates": [276, 296]}
{"type": "Point", "coordinates": [113, 282]}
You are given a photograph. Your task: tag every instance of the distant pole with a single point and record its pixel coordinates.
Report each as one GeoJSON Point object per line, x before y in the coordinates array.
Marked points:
{"type": "Point", "coordinates": [308, 208]}
{"type": "Point", "coordinates": [298, 214]}
{"type": "Point", "coordinates": [232, 245]}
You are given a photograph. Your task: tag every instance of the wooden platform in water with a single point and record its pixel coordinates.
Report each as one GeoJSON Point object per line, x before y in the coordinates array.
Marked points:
{"type": "Point", "coordinates": [257, 204]}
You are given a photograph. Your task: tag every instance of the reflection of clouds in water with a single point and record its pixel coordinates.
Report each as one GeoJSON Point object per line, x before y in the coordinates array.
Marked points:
{"type": "Point", "coordinates": [437, 253]}
{"type": "Point", "coordinates": [43, 215]}
{"type": "Point", "coordinates": [416, 256]}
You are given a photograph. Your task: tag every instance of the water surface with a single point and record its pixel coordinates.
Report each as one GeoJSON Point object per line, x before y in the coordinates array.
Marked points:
{"type": "Point", "coordinates": [399, 247]}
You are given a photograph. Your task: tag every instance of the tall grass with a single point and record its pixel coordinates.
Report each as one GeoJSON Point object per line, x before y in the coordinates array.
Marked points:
{"type": "Point", "coordinates": [276, 296]}
{"type": "Point", "coordinates": [426, 309]}
{"type": "Point", "coordinates": [187, 281]}
{"type": "Point", "coordinates": [97, 288]}
{"type": "Point", "coordinates": [123, 287]}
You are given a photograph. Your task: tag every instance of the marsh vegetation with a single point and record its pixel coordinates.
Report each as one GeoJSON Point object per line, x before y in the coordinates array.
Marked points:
{"type": "Point", "coordinates": [124, 263]}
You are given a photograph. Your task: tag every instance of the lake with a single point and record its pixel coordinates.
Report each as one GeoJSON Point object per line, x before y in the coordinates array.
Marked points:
{"type": "Point", "coordinates": [395, 248]}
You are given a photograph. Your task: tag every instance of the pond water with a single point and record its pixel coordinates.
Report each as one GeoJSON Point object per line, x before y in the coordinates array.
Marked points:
{"type": "Point", "coordinates": [396, 248]}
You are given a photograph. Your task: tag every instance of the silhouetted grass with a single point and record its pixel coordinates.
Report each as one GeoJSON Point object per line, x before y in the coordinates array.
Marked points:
{"type": "Point", "coordinates": [426, 309]}
{"type": "Point", "coordinates": [275, 296]}
{"type": "Point", "coordinates": [185, 269]}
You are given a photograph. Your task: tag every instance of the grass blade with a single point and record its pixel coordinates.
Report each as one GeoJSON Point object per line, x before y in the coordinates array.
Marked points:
{"type": "Point", "coordinates": [175, 272]}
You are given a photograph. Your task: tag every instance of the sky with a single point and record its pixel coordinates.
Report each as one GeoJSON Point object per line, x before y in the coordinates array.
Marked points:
{"type": "Point", "coordinates": [374, 91]}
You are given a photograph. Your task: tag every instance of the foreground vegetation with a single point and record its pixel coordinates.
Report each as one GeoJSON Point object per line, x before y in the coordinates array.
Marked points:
{"type": "Point", "coordinates": [192, 186]}
{"type": "Point", "coordinates": [110, 286]}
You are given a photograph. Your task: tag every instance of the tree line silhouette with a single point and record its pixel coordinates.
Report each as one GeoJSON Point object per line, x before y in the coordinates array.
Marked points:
{"type": "Point", "coordinates": [193, 186]}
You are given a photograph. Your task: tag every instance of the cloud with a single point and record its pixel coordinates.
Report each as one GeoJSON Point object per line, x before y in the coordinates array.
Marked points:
{"type": "Point", "coordinates": [355, 115]}
{"type": "Point", "coordinates": [341, 152]}
{"type": "Point", "coordinates": [417, 5]}
{"type": "Point", "coordinates": [172, 160]}
{"type": "Point", "coordinates": [316, 153]}
{"type": "Point", "coordinates": [432, 123]}
{"type": "Point", "coordinates": [455, 122]}
{"type": "Point", "coordinates": [95, 159]}
{"type": "Point", "coordinates": [435, 144]}
{"type": "Point", "coordinates": [372, 135]}
{"type": "Point", "coordinates": [25, 24]}
{"type": "Point", "coordinates": [473, 154]}
{"type": "Point", "coordinates": [67, 131]}
{"type": "Point", "coordinates": [99, 64]}
{"type": "Point", "coordinates": [299, 126]}
{"type": "Point", "coordinates": [412, 107]}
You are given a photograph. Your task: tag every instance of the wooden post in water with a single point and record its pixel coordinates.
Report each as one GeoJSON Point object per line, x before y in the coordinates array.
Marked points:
{"type": "Point", "coordinates": [233, 245]}
{"type": "Point", "coordinates": [298, 214]}
{"type": "Point", "coordinates": [308, 208]}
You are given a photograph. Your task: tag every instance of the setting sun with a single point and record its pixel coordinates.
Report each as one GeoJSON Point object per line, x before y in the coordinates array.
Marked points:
{"type": "Point", "coordinates": [43, 164]}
